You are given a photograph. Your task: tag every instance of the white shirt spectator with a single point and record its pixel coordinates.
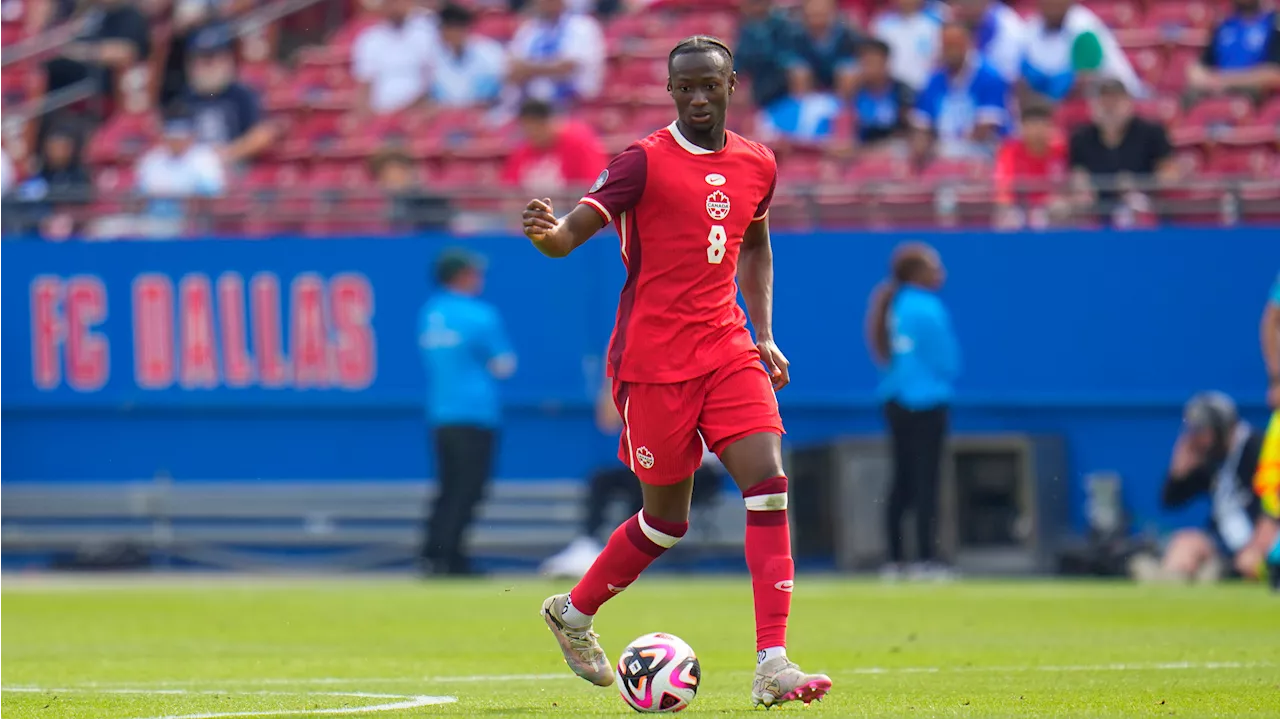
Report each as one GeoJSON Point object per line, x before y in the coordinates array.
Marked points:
{"type": "Point", "coordinates": [912, 41]}
{"type": "Point", "coordinates": [1049, 56]}
{"type": "Point", "coordinates": [396, 61]}
{"type": "Point", "coordinates": [1000, 38]}
{"type": "Point", "coordinates": [570, 37]}
{"type": "Point", "coordinates": [473, 77]}
{"type": "Point", "coordinates": [167, 177]}
{"type": "Point", "coordinates": [8, 173]}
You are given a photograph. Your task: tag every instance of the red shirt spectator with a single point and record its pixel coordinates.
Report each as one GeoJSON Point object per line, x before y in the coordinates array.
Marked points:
{"type": "Point", "coordinates": [1037, 158]}
{"type": "Point", "coordinates": [555, 154]}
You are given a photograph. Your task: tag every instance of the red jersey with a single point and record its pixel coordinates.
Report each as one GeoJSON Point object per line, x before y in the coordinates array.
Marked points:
{"type": "Point", "coordinates": [681, 211]}
{"type": "Point", "coordinates": [1015, 163]}
{"type": "Point", "coordinates": [573, 159]}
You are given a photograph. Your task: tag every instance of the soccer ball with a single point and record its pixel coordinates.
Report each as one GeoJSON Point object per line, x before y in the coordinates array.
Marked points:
{"type": "Point", "coordinates": [658, 673]}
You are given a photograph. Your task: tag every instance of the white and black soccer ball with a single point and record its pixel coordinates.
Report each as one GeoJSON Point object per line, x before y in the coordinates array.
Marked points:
{"type": "Point", "coordinates": [658, 673]}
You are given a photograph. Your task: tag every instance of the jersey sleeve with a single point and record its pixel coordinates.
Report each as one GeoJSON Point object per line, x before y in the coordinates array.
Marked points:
{"type": "Point", "coordinates": [762, 209]}
{"type": "Point", "coordinates": [620, 186]}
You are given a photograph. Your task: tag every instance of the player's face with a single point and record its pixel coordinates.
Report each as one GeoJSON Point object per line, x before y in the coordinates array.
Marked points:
{"type": "Point", "coordinates": [701, 83]}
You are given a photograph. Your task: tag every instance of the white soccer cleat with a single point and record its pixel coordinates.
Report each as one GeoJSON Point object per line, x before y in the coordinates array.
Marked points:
{"type": "Point", "coordinates": [580, 645]}
{"type": "Point", "coordinates": [779, 681]}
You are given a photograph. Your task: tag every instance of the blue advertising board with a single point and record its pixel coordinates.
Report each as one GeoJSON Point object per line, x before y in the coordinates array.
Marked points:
{"type": "Point", "coordinates": [298, 359]}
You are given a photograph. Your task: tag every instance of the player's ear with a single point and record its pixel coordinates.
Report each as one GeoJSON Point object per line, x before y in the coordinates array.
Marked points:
{"type": "Point", "coordinates": [733, 82]}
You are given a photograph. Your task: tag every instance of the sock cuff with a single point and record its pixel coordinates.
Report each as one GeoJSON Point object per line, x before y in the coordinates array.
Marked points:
{"type": "Point", "coordinates": [650, 539]}
{"type": "Point", "coordinates": [675, 530]}
{"type": "Point", "coordinates": [768, 496]}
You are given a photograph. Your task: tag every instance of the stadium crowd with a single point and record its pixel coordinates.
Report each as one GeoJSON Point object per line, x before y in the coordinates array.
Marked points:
{"type": "Point", "coordinates": [176, 117]}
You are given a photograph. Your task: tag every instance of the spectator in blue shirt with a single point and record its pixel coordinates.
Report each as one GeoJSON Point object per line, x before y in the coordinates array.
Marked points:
{"type": "Point", "coordinates": [1243, 54]}
{"type": "Point", "coordinates": [909, 332]}
{"type": "Point", "coordinates": [881, 102]}
{"type": "Point", "coordinates": [226, 114]}
{"type": "Point", "coordinates": [465, 351]}
{"type": "Point", "coordinates": [805, 116]}
{"type": "Point", "coordinates": [964, 105]}
{"type": "Point", "coordinates": [762, 42]}
{"type": "Point", "coordinates": [822, 51]}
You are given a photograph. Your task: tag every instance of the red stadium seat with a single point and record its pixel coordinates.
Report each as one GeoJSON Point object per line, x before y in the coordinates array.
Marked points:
{"type": "Point", "coordinates": [1230, 162]}
{"type": "Point", "coordinates": [1117, 14]}
{"type": "Point", "coordinates": [262, 76]}
{"type": "Point", "coordinates": [1160, 109]}
{"type": "Point", "coordinates": [1269, 114]}
{"type": "Point", "coordinates": [880, 168]}
{"type": "Point", "coordinates": [1217, 111]}
{"type": "Point", "coordinates": [11, 32]}
{"type": "Point", "coordinates": [1149, 64]}
{"type": "Point", "coordinates": [20, 83]}
{"type": "Point", "coordinates": [955, 171]}
{"type": "Point", "coordinates": [1139, 38]}
{"type": "Point", "coordinates": [499, 26]}
{"type": "Point", "coordinates": [1174, 17]}
{"type": "Point", "coordinates": [1174, 76]}
{"type": "Point", "coordinates": [123, 138]}
{"type": "Point", "coordinates": [323, 56]}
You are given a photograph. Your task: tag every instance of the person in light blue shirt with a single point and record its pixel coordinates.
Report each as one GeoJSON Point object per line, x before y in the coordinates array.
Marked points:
{"type": "Point", "coordinates": [466, 352]}
{"type": "Point", "coordinates": [910, 335]}
{"type": "Point", "coordinates": [964, 105]}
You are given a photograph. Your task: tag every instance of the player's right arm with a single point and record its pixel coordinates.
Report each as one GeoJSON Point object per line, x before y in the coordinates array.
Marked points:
{"type": "Point", "coordinates": [557, 238]}
{"type": "Point", "coordinates": [617, 190]}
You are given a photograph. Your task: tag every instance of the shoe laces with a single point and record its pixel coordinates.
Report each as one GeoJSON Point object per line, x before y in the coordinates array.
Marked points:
{"type": "Point", "coordinates": [584, 641]}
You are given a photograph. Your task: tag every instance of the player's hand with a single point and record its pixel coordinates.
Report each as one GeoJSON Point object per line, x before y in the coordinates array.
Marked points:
{"type": "Point", "coordinates": [776, 362]}
{"type": "Point", "coordinates": [539, 219]}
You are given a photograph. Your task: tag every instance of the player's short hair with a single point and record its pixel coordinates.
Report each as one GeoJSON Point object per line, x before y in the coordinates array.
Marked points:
{"type": "Point", "coordinates": [701, 43]}
{"type": "Point", "coordinates": [455, 15]}
{"type": "Point", "coordinates": [875, 45]}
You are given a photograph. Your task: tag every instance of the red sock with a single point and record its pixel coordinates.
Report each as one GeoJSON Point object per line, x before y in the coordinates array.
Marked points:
{"type": "Point", "coordinates": [631, 549]}
{"type": "Point", "coordinates": [768, 549]}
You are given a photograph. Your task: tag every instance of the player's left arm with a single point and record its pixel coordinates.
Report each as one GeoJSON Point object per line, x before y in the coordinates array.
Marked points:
{"type": "Point", "coordinates": [755, 279]}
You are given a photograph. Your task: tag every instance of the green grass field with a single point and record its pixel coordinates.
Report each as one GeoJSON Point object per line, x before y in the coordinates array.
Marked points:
{"type": "Point", "coordinates": [210, 647]}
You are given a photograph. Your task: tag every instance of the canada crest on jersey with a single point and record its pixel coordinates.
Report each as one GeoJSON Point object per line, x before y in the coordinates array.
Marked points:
{"type": "Point", "coordinates": [718, 205]}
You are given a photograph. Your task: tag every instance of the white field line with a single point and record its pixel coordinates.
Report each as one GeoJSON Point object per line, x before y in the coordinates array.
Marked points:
{"type": "Point", "coordinates": [405, 701]}
{"type": "Point", "coordinates": [173, 686]}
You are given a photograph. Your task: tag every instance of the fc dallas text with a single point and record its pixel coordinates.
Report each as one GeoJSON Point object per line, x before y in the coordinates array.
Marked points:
{"type": "Point", "coordinates": [204, 334]}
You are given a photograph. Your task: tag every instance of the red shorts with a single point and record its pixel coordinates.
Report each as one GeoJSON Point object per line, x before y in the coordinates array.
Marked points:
{"type": "Point", "coordinates": [661, 422]}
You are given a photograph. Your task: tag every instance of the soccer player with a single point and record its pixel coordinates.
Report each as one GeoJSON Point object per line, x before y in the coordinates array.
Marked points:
{"type": "Point", "coordinates": [690, 203]}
